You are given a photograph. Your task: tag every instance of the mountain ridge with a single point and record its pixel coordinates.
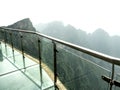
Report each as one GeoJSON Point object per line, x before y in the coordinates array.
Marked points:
{"type": "Point", "coordinates": [24, 24]}
{"type": "Point", "coordinates": [99, 40]}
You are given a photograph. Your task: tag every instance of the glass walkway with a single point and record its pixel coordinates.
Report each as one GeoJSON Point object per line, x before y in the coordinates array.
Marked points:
{"type": "Point", "coordinates": [14, 76]}
{"type": "Point", "coordinates": [59, 65]}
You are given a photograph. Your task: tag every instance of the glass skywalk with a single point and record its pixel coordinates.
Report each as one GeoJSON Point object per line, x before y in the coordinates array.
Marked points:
{"type": "Point", "coordinates": [65, 66]}
{"type": "Point", "coordinates": [14, 76]}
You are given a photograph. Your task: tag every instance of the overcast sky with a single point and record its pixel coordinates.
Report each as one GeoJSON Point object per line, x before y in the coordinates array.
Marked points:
{"type": "Point", "coordinates": [87, 15]}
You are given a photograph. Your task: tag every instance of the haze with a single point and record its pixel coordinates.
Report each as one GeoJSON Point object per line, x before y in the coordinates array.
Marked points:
{"type": "Point", "coordinates": [87, 15]}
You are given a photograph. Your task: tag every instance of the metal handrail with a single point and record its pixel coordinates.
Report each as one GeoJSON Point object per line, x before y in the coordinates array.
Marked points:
{"type": "Point", "coordinates": [96, 54]}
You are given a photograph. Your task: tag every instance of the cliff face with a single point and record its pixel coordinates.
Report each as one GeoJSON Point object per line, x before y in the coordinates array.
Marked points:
{"type": "Point", "coordinates": [24, 24]}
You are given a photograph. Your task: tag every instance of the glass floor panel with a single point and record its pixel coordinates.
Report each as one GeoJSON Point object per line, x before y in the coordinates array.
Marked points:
{"type": "Point", "coordinates": [24, 79]}
{"type": "Point", "coordinates": [6, 67]}
{"type": "Point", "coordinates": [19, 61]}
{"type": "Point", "coordinates": [16, 81]}
{"type": "Point", "coordinates": [34, 74]}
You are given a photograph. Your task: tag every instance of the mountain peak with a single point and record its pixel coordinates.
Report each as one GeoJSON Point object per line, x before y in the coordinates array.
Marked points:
{"type": "Point", "coordinates": [24, 24]}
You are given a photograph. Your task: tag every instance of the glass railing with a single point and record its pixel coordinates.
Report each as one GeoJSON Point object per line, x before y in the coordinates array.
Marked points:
{"type": "Point", "coordinates": [13, 72]}
{"type": "Point", "coordinates": [71, 67]}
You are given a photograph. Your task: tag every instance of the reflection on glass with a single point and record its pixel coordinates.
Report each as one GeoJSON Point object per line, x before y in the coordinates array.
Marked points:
{"type": "Point", "coordinates": [76, 72]}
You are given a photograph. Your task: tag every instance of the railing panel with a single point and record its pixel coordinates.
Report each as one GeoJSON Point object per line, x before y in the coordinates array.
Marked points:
{"type": "Point", "coordinates": [74, 68]}
{"type": "Point", "coordinates": [47, 53]}
{"type": "Point", "coordinates": [30, 44]}
{"type": "Point", "coordinates": [16, 39]}
{"type": "Point", "coordinates": [78, 73]}
{"type": "Point", "coordinates": [1, 34]}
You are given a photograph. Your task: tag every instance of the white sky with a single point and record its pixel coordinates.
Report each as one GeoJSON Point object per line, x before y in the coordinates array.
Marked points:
{"type": "Point", "coordinates": [87, 15]}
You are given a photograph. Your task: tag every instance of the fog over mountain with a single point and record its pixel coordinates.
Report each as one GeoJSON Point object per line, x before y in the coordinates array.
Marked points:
{"type": "Point", "coordinates": [99, 40]}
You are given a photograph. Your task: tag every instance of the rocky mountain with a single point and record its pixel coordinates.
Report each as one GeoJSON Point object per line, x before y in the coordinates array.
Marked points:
{"type": "Point", "coordinates": [24, 24]}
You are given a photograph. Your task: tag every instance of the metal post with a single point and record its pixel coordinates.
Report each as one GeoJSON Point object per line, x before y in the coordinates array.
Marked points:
{"type": "Point", "coordinates": [112, 77]}
{"type": "Point", "coordinates": [0, 45]}
{"type": "Point", "coordinates": [55, 64]}
{"type": "Point", "coordinates": [1, 42]}
{"type": "Point", "coordinates": [5, 40]}
{"type": "Point", "coordinates": [40, 66]}
{"type": "Point", "coordinates": [1, 54]}
{"type": "Point", "coordinates": [12, 47]}
{"type": "Point", "coordinates": [22, 51]}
